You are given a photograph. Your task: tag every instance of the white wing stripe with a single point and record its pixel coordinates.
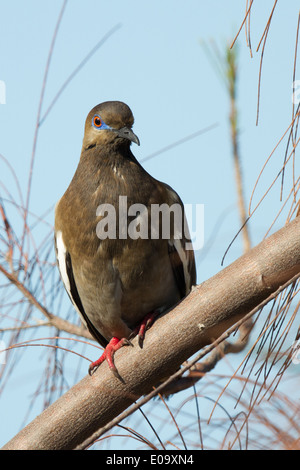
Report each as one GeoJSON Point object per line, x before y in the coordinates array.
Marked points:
{"type": "Point", "coordinates": [61, 259]}
{"type": "Point", "coordinates": [184, 259]}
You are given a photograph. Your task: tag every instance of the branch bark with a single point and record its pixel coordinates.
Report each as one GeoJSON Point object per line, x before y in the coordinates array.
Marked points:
{"type": "Point", "coordinates": [203, 316]}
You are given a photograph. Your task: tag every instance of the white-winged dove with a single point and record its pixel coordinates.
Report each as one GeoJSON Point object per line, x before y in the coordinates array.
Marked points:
{"type": "Point", "coordinates": [117, 282]}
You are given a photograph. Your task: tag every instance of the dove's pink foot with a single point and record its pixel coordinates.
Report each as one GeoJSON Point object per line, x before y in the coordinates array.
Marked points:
{"type": "Point", "coordinates": [108, 353]}
{"type": "Point", "coordinates": [145, 325]}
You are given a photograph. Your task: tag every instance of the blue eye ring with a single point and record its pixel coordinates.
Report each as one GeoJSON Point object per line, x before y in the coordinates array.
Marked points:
{"type": "Point", "coordinates": [98, 123]}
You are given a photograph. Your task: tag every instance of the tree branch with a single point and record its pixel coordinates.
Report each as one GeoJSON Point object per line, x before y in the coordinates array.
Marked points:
{"type": "Point", "coordinates": [209, 310]}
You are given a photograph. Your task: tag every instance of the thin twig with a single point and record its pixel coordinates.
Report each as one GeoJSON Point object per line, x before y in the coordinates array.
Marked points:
{"type": "Point", "coordinates": [179, 142]}
{"type": "Point", "coordinates": [26, 207]}
{"type": "Point", "coordinates": [55, 321]}
{"type": "Point", "coordinates": [78, 68]}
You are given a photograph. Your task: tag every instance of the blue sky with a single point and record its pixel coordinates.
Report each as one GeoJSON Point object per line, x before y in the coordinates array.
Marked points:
{"type": "Point", "coordinates": [156, 64]}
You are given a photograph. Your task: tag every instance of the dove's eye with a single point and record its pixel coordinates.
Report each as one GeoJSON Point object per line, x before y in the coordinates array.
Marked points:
{"type": "Point", "coordinates": [97, 122]}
